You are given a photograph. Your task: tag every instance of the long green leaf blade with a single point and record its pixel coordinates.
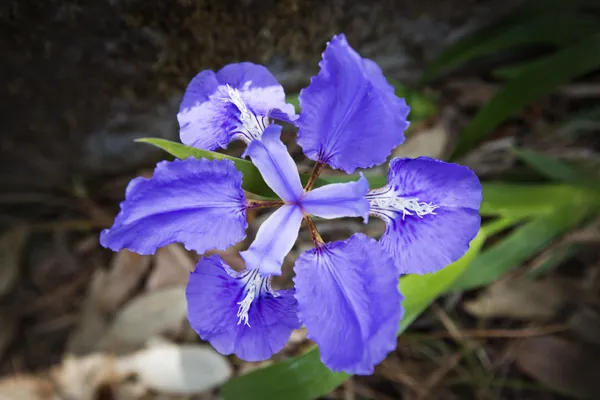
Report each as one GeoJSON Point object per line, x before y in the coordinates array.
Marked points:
{"type": "Point", "coordinates": [252, 181]}
{"type": "Point", "coordinates": [537, 81]}
{"type": "Point", "coordinates": [549, 167]}
{"type": "Point", "coordinates": [520, 245]}
{"type": "Point", "coordinates": [305, 377]}
{"type": "Point", "coordinates": [555, 29]}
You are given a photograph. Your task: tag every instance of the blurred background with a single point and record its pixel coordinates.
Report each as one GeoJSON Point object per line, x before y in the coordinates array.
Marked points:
{"type": "Point", "coordinates": [508, 88]}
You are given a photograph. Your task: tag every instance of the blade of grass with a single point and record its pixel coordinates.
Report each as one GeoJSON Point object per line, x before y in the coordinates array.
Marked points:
{"type": "Point", "coordinates": [555, 29]}
{"type": "Point", "coordinates": [537, 81]}
{"type": "Point", "coordinates": [518, 246]}
{"type": "Point", "coordinates": [550, 167]}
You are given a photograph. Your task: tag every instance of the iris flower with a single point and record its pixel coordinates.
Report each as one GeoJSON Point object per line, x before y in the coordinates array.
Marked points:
{"type": "Point", "coordinates": [345, 292]}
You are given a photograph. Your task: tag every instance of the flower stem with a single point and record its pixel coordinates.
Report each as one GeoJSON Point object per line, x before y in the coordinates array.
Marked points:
{"type": "Point", "coordinates": [316, 237]}
{"type": "Point", "coordinates": [317, 169]}
{"type": "Point", "coordinates": [263, 203]}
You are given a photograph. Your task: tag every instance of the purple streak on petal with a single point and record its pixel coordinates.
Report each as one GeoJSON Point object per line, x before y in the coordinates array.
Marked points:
{"type": "Point", "coordinates": [348, 299]}
{"type": "Point", "coordinates": [274, 240]}
{"type": "Point", "coordinates": [339, 200]}
{"type": "Point", "coordinates": [431, 242]}
{"type": "Point", "coordinates": [197, 202]}
{"type": "Point", "coordinates": [350, 116]}
{"type": "Point", "coordinates": [214, 292]}
{"type": "Point", "coordinates": [208, 118]}
{"type": "Point", "coordinates": [275, 164]}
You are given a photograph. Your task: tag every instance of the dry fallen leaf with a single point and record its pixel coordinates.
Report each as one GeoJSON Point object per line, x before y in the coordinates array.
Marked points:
{"type": "Point", "coordinates": [430, 142]}
{"type": "Point", "coordinates": [27, 388]}
{"type": "Point", "coordinates": [177, 369]}
{"type": "Point", "coordinates": [521, 298]}
{"type": "Point", "coordinates": [567, 366]}
{"type": "Point", "coordinates": [84, 378]}
{"type": "Point", "coordinates": [125, 272]}
{"type": "Point", "coordinates": [172, 266]}
{"type": "Point", "coordinates": [92, 321]}
{"type": "Point", "coordinates": [145, 317]}
{"type": "Point", "coordinates": [585, 322]}
{"type": "Point", "coordinates": [11, 245]}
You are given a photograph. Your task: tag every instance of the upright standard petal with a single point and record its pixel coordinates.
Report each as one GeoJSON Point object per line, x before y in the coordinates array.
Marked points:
{"type": "Point", "coordinates": [233, 104]}
{"type": "Point", "coordinates": [275, 164]}
{"type": "Point", "coordinates": [199, 203]}
{"type": "Point", "coordinates": [431, 209]}
{"type": "Point", "coordinates": [339, 200]}
{"type": "Point", "coordinates": [274, 240]}
{"type": "Point", "coordinates": [350, 116]}
{"type": "Point", "coordinates": [239, 313]}
{"type": "Point", "coordinates": [348, 299]}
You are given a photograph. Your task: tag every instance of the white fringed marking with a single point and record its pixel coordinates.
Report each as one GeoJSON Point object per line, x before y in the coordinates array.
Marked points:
{"type": "Point", "coordinates": [251, 125]}
{"type": "Point", "coordinates": [384, 200]}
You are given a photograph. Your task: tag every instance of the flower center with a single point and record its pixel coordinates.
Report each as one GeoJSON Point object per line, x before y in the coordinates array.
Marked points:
{"type": "Point", "coordinates": [251, 125]}
{"type": "Point", "coordinates": [385, 202]}
{"type": "Point", "coordinates": [254, 285]}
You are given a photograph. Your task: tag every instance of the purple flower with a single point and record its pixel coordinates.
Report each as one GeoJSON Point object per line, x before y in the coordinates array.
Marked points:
{"type": "Point", "coordinates": [239, 312]}
{"type": "Point", "coordinates": [233, 104]}
{"type": "Point", "coordinates": [346, 292]}
{"type": "Point", "coordinates": [350, 117]}
{"type": "Point", "coordinates": [431, 209]}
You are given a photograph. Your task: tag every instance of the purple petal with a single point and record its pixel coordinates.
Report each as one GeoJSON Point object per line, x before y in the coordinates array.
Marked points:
{"type": "Point", "coordinates": [350, 116]}
{"type": "Point", "coordinates": [348, 299]}
{"type": "Point", "coordinates": [339, 200]}
{"type": "Point", "coordinates": [234, 103]}
{"type": "Point", "coordinates": [274, 240]}
{"type": "Point", "coordinates": [432, 213]}
{"type": "Point", "coordinates": [275, 164]}
{"type": "Point", "coordinates": [197, 202]}
{"type": "Point", "coordinates": [214, 293]}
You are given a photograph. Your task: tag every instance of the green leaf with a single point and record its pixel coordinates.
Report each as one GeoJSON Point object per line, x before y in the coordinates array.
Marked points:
{"type": "Point", "coordinates": [294, 100]}
{"type": "Point", "coordinates": [252, 181]}
{"type": "Point", "coordinates": [375, 181]}
{"type": "Point", "coordinates": [555, 29]}
{"type": "Point", "coordinates": [304, 377]}
{"type": "Point", "coordinates": [550, 167]}
{"type": "Point", "coordinates": [522, 200]}
{"type": "Point", "coordinates": [520, 245]}
{"type": "Point", "coordinates": [422, 105]}
{"type": "Point", "coordinates": [513, 71]}
{"type": "Point", "coordinates": [561, 67]}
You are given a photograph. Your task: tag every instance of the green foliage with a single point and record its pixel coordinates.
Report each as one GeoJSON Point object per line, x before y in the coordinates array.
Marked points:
{"type": "Point", "coordinates": [538, 214]}
{"type": "Point", "coordinates": [535, 81]}
{"type": "Point", "coordinates": [552, 168]}
{"type": "Point", "coordinates": [422, 105]}
{"type": "Point", "coordinates": [570, 29]}
{"type": "Point", "coordinates": [252, 181]}
{"type": "Point", "coordinates": [553, 29]}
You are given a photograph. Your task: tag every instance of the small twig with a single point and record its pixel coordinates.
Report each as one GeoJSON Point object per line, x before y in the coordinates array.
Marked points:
{"type": "Point", "coordinates": [317, 169]}
{"type": "Point", "coordinates": [436, 376]}
{"type": "Point", "coordinates": [491, 333]}
{"type": "Point", "coordinates": [263, 203]}
{"type": "Point", "coordinates": [349, 392]}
